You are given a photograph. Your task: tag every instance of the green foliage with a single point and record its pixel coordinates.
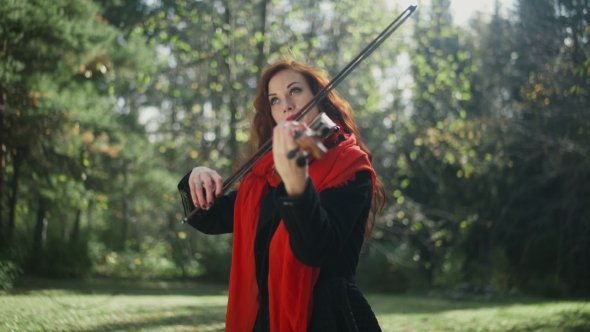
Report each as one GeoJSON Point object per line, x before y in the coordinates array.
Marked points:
{"type": "Point", "coordinates": [11, 264]}
{"type": "Point", "coordinates": [63, 118]}
{"type": "Point", "coordinates": [152, 261]}
{"type": "Point", "coordinates": [11, 259]}
{"type": "Point", "coordinates": [9, 272]}
{"type": "Point", "coordinates": [452, 271]}
{"type": "Point", "coordinates": [214, 255]}
{"type": "Point", "coordinates": [547, 286]}
{"type": "Point", "coordinates": [487, 170]}
{"type": "Point", "coordinates": [376, 274]}
{"type": "Point", "coordinates": [61, 259]}
{"type": "Point", "coordinates": [481, 142]}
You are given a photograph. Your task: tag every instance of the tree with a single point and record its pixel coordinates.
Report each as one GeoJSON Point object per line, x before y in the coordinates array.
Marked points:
{"type": "Point", "coordinates": [58, 65]}
{"type": "Point", "coordinates": [490, 159]}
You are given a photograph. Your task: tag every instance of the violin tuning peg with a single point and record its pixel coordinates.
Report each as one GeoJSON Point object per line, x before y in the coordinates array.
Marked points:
{"type": "Point", "coordinates": [292, 153]}
{"type": "Point", "coordinates": [302, 161]}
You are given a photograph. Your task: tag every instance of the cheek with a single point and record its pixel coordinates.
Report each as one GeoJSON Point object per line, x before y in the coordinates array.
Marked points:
{"type": "Point", "coordinates": [277, 114]}
{"type": "Point", "coordinates": [309, 95]}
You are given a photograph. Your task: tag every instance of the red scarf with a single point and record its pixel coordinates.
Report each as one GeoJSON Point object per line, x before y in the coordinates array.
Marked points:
{"type": "Point", "coordinates": [290, 282]}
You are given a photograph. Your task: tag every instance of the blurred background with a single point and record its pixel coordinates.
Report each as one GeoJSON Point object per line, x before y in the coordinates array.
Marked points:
{"type": "Point", "coordinates": [477, 113]}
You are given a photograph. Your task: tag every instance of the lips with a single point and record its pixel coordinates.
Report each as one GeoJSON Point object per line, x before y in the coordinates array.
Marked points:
{"type": "Point", "coordinates": [290, 117]}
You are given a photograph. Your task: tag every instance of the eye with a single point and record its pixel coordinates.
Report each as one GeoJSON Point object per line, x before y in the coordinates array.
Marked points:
{"type": "Point", "coordinates": [274, 101]}
{"type": "Point", "coordinates": [295, 90]}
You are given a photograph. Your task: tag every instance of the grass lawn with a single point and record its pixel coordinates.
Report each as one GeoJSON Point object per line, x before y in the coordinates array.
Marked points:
{"type": "Point", "coordinates": [124, 305]}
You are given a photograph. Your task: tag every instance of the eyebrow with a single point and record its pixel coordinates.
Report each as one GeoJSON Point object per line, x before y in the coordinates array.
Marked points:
{"type": "Point", "coordinates": [288, 86]}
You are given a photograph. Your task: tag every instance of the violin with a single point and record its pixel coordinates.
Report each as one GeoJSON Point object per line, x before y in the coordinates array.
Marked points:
{"type": "Point", "coordinates": [312, 141]}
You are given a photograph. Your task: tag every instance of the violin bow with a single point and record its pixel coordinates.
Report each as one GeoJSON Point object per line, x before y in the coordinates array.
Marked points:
{"type": "Point", "coordinates": [267, 146]}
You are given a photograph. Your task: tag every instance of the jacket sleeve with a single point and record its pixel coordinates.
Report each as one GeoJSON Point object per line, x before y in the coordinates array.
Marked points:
{"type": "Point", "coordinates": [218, 219]}
{"type": "Point", "coordinates": [319, 225]}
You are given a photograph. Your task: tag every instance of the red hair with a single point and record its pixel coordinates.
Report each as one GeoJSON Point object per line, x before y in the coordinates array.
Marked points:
{"type": "Point", "coordinates": [333, 105]}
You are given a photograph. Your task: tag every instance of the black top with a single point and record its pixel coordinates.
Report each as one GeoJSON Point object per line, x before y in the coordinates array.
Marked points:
{"type": "Point", "coordinates": [326, 230]}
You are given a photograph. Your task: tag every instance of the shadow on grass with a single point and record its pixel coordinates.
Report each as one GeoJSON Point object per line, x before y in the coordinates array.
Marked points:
{"type": "Point", "coordinates": [213, 317]}
{"type": "Point", "coordinates": [104, 286]}
{"type": "Point", "coordinates": [410, 304]}
{"type": "Point", "coordinates": [566, 322]}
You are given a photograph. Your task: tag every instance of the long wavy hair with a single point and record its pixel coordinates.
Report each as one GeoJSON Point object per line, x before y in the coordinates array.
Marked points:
{"type": "Point", "coordinates": [262, 123]}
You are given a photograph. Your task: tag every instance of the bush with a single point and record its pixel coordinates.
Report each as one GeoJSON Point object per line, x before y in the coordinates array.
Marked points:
{"type": "Point", "coordinates": [60, 259]}
{"type": "Point", "coordinates": [547, 286]}
{"type": "Point", "coordinates": [493, 272]}
{"type": "Point", "coordinates": [377, 274]}
{"type": "Point", "coordinates": [11, 259]}
{"type": "Point", "coordinates": [501, 276]}
{"type": "Point", "coordinates": [215, 257]}
{"type": "Point", "coordinates": [451, 271]}
{"type": "Point", "coordinates": [151, 261]}
{"type": "Point", "coordinates": [9, 272]}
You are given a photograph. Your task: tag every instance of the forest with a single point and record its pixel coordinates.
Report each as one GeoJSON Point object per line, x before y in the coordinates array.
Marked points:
{"type": "Point", "coordinates": [480, 134]}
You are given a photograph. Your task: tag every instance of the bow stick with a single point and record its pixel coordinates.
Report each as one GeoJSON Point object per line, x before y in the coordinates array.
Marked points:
{"type": "Point", "coordinates": [266, 147]}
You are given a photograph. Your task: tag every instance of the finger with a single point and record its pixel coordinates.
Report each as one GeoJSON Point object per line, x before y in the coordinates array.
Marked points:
{"type": "Point", "coordinates": [191, 185]}
{"type": "Point", "coordinates": [210, 189]}
{"type": "Point", "coordinates": [276, 139]}
{"type": "Point", "coordinates": [300, 126]}
{"type": "Point", "coordinates": [286, 140]}
{"type": "Point", "coordinates": [200, 195]}
{"type": "Point", "coordinates": [285, 130]}
{"type": "Point", "coordinates": [281, 140]}
{"type": "Point", "coordinates": [288, 137]}
{"type": "Point", "coordinates": [218, 186]}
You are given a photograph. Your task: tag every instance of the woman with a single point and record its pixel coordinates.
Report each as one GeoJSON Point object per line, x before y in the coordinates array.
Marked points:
{"type": "Point", "coordinates": [296, 241]}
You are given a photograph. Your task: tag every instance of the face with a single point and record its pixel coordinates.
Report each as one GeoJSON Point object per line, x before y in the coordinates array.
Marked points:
{"type": "Point", "coordinates": [288, 92]}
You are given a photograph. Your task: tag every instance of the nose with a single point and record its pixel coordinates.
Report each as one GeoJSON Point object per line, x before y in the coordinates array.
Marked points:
{"type": "Point", "coordinates": [288, 106]}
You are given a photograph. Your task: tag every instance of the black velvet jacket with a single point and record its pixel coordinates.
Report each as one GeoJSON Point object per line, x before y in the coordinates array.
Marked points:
{"type": "Point", "coordinates": [325, 230]}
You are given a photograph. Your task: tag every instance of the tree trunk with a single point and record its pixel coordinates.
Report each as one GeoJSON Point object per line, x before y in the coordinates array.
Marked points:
{"type": "Point", "coordinates": [16, 164]}
{"type": "Point", "coordinates": [65, 231]}
{"type": "Point", "coordinates": [2, 173]}
{"type": "Point", "coordinates": [233, 143]}
{"type": "Point", "coordinates": [3, 149]}
{"type": "Point", "coordinates": [586, 271]}
{"type": "Point", "coordinates": [124, 224]}
{"type": "Point", "coordinates": [75, 236]}
{"type": "Point", "coordinates": [171, 166]}
{"type": "Point", "coordinates": [125, 219]}
{"type": "Point", "coordinates": [39, 233]}
{"type": "Point", "coordinates": [260, 60]}
{"type": "Point", "coordinates": [89, 215]}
